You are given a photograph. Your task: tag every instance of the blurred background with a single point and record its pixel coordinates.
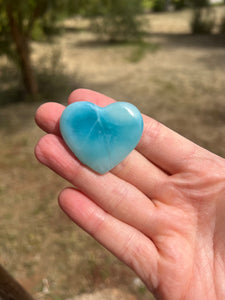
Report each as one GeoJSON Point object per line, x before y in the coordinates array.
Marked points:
{"type": "Point", "coordinates": [165, 56]}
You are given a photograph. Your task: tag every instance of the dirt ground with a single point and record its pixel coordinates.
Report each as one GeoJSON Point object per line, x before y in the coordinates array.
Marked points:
{"type": "Point", "coordinates": [174, 77]}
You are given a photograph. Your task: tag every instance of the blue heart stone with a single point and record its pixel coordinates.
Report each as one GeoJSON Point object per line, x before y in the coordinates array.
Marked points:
{"type": "Point", "coordinates": [101, 137]}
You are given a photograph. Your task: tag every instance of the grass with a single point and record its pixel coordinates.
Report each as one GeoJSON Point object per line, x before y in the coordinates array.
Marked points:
{"type": "Point", "coordinates": [139, 50]}
{"type": "Point", "coordinates": [181, 84]}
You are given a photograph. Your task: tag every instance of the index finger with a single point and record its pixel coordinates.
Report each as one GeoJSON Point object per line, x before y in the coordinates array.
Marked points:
{"type": "Point", "coordinates": [161, 145]}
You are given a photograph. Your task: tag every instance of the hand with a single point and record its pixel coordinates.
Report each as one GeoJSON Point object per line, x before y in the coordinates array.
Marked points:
{"type": "Point", "coordinates": [161, 210]}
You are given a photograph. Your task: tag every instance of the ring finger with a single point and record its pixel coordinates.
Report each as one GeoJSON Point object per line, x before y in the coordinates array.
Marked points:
{"type": "Point", "coordinates": [116, 196]}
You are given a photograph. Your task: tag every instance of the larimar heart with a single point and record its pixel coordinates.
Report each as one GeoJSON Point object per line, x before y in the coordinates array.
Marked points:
{"type": "Point", "coordinates": [101, 137]}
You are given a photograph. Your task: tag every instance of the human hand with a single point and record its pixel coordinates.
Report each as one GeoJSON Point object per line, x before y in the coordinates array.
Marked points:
{"type": "Point", "coordinates": [161, 210]}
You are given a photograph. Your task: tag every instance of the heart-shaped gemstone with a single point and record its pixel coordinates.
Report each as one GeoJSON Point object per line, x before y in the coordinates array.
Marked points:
{"type": "Point", "coordinates": [101, 137]}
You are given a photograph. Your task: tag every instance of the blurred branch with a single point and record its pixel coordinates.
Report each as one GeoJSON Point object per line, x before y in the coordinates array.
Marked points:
{"type": "Point", "coordinates": [10, 289]}
{"type": "Point", "coordinates": [21, 42]}
{"type": "Point", "coordinates": [36, 13]}
{"type": "Point", "coordinates": [14, 28]}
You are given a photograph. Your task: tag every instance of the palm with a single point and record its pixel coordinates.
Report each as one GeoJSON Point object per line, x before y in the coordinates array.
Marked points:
{"type": "Point", "coordinates": [160, 210]}
{"type": "Point", "coordinates": [191, 243]}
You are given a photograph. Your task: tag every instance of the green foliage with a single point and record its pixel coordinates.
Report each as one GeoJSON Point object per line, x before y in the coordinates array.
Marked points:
{"type": "Point", "coordinates": [179, 4]}
{"type": "Point", "coordinates": [147, 4]}
{"type": "Point", "coordinates": [21, 21]}
{"type": "Point", "coordinates": [24, 13]}
{"type": "Point", "coordinates": [159, 5]}
{"type": "Point", "coordinates": [115, 20]}
{"type": "Point", "coordinates": [4, 33]}
{"type": "Point", "coordinates": [33, 18]}
{"type": "Point", "coordinates": [199, 3]}
{"type": "Point", "coordinates": [24, 20]}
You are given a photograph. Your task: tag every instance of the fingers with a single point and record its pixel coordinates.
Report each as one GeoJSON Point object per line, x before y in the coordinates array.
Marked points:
{"type": "Point", "coordinates": [116, 196]}
{"type": "Point", "coordinates": [125, 242]}
{"type": "Point", "coordinates": [162, 146]}
{"type": "Point", "coordinates": [91, 96]}
{"type": "Point", "coordinates": [135, 169]}
{"type": "Point", "coordinates": [141, 173]}
{"type": "Point", "coordinates": [166, 148]}
{"type": "Point", "coordinates": [48, 115]}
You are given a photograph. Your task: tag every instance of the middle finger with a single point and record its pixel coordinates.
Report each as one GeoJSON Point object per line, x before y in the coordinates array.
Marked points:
{"type": "Point", "coordinates": [117, 197]}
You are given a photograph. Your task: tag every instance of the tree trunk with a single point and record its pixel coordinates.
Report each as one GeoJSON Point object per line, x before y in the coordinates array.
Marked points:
{"type": "Point", "coordinates": [10, 289]}
{"type": "Point", "coordinates": [22, 47]}
{"type": "Point", "coordinates": [28, 76]}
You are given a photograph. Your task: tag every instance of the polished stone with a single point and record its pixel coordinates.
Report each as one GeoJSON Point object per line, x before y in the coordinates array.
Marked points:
{"type": "Point", "coordinates": [101, 137]}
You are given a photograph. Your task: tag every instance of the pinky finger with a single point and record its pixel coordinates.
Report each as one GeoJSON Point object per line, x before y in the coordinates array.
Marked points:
{"type": "Point", "coordinates": [122, 240]}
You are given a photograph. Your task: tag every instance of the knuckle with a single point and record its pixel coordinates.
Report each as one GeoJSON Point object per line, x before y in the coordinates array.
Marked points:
{"type": "Point", "coordinates": [152, 129]}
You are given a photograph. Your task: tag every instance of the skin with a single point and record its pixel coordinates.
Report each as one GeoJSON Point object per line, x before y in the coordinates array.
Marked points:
{"type": "Point", "coordinates": [161, 211]}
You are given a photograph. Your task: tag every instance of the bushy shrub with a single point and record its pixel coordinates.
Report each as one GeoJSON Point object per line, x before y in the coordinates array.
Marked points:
{"type": "Point", "coordinates": [199, 3]}
{"type": "Point", "coordinates": [163, 5]}
{"type": "Point", "coordinates": [159, 5]}
{"type": "Point", "coordinates": [179, 4]}
{"type": "Point", "coordinates": [147, 4]}
{"type": "Point", "coordinates": [116, 20]}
